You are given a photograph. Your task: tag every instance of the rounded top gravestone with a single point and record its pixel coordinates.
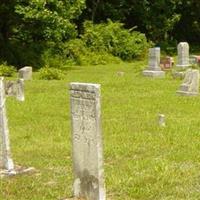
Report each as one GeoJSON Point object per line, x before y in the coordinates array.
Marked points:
{"type": "Point", "coordinates": [183, 55]}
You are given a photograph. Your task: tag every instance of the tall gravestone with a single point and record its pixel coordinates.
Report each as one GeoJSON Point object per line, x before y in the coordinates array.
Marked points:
{"type": "Point", "coordinates": [190, 85]}
{"type": "Point", "coordinates": [87, 141]}
{"type": "Point", "coordinates": [154, 69]}
{"type": "Point", "coordinates": [183, 55]}
{"type": "Point", "coordinates": [16, 89]}
{"type": "Point", "coordinates": [5, 154]}
{"type": "Point", "coordinates": [25, 73]}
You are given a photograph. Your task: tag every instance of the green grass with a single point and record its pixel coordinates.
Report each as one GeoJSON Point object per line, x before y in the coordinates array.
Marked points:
{"type": "Point", "coordinates": [142, 160]}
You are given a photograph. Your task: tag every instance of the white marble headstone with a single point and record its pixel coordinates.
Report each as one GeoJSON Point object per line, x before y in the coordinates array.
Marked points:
{"type": "Point", "coordinates": [183, 55]}
{"type": "Point", "coordinates": [87, 141]}
{"type": "Point", "coordinates": [153, 69]}
{"type": "Point", "coordinates": [154, 59]}
{"type": "Point", "coordinates": [5, 153]}
{"type": "Point", "coordinates": [190, 85]}
{"type": "Point", "coordinates": [25, 73]}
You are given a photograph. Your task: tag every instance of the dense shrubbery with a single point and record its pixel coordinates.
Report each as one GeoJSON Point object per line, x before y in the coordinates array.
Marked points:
{"type": "Point", "coordinates": [6, 70]}
{"type": "Point", "coordinates": [79, 53]}
{"type": "Point", "coordinates": [103, 44]}
{"type": "Point", "coordinates": [113, 38]}
{"type": "Point", "coordinates": [47, 73]}
{"type": "Point", "coordinates": [98, 44]}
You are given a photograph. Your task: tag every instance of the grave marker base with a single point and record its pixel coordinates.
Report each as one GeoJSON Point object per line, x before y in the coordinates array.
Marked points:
{"type": "Point", "coordinates": [185, 93]}
{"type": "Point", "coordinates": [157, 74]}
{"type": "Point", "coordinates": [17, 171]}
{"type": "Point", "coordinates": [183, 66]}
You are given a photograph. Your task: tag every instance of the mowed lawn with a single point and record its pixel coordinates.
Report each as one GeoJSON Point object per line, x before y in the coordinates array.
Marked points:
{"type": "Point", "coordinates": [142, 160]}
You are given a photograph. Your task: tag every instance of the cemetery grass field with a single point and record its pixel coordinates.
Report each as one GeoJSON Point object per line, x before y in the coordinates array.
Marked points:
{"type": "Point", "coordinates": [142, 160]}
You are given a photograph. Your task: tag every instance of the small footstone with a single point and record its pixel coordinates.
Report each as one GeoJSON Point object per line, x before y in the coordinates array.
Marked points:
{"type": "Point", "coordinates": [120, 73]}
{"type": "Point", "coordinates": [161, 120]}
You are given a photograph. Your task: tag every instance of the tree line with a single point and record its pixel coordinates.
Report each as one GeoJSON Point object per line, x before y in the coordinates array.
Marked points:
{"type": "Point", "coordinates": [29, 27]}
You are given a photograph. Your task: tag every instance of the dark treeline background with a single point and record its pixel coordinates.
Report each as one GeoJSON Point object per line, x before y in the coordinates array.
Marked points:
{"type": "Point", "coordinates": [31, 30]}
{"type": "Point", "coordinates": [159, 20]}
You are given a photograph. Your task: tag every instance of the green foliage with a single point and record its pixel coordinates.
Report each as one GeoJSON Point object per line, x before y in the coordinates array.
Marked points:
{"type": "Point", "coordinates": [52, 60]}
{"type": "Point", "coordinates": [47, 73]}
{"type": "Point", "coordinates": [25, 24]}
{"type": "Point", "coordinates": [113, 38]}
{"type": "Point", "coordinates": [6, 70]}
{"type": "Point", "coordinates": [148, 16]}
{"type": "Point", "coordinates": [80, 54]}
{"type": "Point", "coordinates": [95, 58]}
{"type": "Point", "coordinates": [49, 19]}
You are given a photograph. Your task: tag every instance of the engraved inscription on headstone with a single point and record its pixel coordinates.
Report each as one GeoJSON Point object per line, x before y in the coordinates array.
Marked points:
{"type": "Point", "coordinates": [154, 59]}
{"type": "Point", "coordinates": [5, 154]}
{"type": "Point", "coordinates": [183, 55]}
{"type": "Point", "coordinates": [153, 69]}
{"type": "Point", "coordinates": [190, 85]}
{"type": "Point", "coordinates": [87, 141]}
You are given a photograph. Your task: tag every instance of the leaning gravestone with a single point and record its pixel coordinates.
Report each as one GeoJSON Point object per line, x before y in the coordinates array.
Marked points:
{"type": "Point", "coordinates": [9, 88]}
{"type": "Point", "coordinates": [25, 73]}
{"type": "Point", "coordinates": [190, 85]}
{"type": "Point", "coordinates": [183, 55]}
{"type": "Point", "coordinates": [154, 69]}
{"type": "Point", "coordinates": [87, 141]}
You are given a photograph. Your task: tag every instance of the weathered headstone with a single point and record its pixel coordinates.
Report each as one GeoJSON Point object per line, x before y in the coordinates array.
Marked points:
{"type": "Point", "coordinates": [5, 154]}
{"type": "Point", "coordinates": [15, 88]}
{"type": "Point", "coordinates": [190, 85]}
{"type": "Point", "coordinates": [25, 73]}
{"type": "Point", "coordinates": [154, 69]}
{"type": "Point", "coordinates": [183, 55]}
{"type": "Point", "coordinates": [8, 88]}
{"type": "Point", "coordinates": [87, 141]}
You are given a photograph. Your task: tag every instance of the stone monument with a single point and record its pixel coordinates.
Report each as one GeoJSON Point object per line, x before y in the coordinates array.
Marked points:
{"type": "Point", "coordinates": [87, 141]}
{"type": "Point", "coordinates": [9, 88]}
{"type": "Point", "coordinates": [190, 85]}
{"type": "Point", "coordinates": [154, 69]}
{"type": "Point", "coordinates": [161, 120]}
{"type": "Point", "coordinates": [183, 55]}
{"type": "Point", "coordinates": [6, 161]}
{"type": "Point", "coordinates": [25, 73]}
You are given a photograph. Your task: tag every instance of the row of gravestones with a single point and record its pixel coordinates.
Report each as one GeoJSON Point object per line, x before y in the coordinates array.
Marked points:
{"type": "Point", "coordinates": [154, 69]}
{"type": "Point", "coordinates": [190, 85]}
